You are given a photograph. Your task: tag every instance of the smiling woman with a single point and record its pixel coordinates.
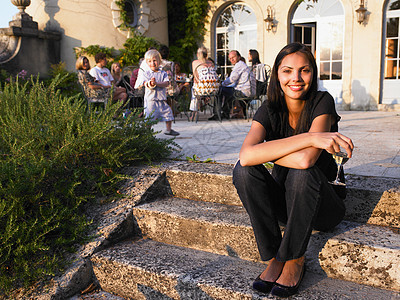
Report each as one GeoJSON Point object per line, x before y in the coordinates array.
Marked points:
{"type": "Point", "coordinates": [299, 126]}
{"type": "Point", "coordinates": [295, 76]}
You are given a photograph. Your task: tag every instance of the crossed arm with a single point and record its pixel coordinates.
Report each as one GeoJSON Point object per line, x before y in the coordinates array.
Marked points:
{"type": "Point", "coordinates": [299, 151]}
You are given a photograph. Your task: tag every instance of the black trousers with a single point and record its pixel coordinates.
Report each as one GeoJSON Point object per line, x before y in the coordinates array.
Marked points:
{"type": "Point", "coordinates": [227, 95]}
{"type": "Point", "coordinates": [301, 199]}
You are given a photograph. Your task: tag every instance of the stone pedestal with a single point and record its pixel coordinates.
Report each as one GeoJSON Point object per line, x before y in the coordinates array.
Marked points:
{"type": "Point", "coordinates": [24, 47]}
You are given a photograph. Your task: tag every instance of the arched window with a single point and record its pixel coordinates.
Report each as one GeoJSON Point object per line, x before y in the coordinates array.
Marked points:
{"type": "Point", "coordinates": [320, 25]}
{"type": "Point", "coordinates": [391, 81]}
{"type": "Point", "coordinates": [392, 40]}
{"type": "Point", "coordinates": [236, 29]}
{"type": "Point", "coordinates": [130, 13]}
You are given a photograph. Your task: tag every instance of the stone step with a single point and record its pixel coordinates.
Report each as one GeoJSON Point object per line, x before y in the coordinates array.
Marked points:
{"type": "Point", "coordinates": [203, 182]}
{"type": "Point", "coordinates": [213, 227]}
{"type": "Point", "coordinates": [361, 253]}
{"type": "Point", "coordinates": [147, 269]}
{"type": "Point", "coordinates": [370, 200]}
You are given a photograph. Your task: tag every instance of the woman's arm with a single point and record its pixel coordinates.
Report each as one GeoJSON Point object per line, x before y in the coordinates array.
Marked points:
{"type": "Point", "coordinates": [300, 151]}
{"type": "Point", "coordinates": [94, 85]}
{"type": "Point", "coordinates": [307, 157]}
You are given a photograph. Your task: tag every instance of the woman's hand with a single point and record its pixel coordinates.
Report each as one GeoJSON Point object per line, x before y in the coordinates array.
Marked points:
{"type": "Point", "coordinates": [120, 89]}
{"type": "Point", "coordinates": [332, 141]}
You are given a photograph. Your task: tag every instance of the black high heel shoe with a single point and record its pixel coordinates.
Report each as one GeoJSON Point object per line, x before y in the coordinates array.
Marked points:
{"type": "Point", "coordinates": [284, 291]}
{"type": "Point", "coordinates": [262, 285]}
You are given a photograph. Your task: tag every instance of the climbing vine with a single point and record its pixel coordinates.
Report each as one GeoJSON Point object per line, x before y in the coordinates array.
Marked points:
{"type": "Point", "coordinates": [123, 15]}
{"type": "Point", "coordinates": [186, 27]}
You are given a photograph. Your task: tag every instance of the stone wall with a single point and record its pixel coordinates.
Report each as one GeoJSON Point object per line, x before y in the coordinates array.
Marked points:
{"type": "Point", "coordinates": [24, 47]}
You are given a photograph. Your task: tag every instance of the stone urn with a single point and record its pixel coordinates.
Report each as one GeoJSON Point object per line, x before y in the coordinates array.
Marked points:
{"type": "Point", "coordinates": [22, 19]}
{"type": "Point", "coordinates": [21, 4]}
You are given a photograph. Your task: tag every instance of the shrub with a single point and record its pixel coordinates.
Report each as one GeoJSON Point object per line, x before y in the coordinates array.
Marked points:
{"type": "Point", "coordinates": [135, 48]}
{"type": "Point", "coordinates": [68, 80]}
{"type": "Point", "coordinates": [54, 158]}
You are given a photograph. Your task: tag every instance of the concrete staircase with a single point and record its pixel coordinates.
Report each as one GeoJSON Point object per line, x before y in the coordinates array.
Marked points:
{"type": "Point", "coordinates": [194, 241]}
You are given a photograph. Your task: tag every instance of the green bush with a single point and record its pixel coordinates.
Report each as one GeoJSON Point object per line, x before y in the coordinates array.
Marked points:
{"type": "Point", "coordinates": [54, 158]}
{"type": "Point", "coordinates": [68, 80]}
{"type": "Point", "coordinates": [134, 49]}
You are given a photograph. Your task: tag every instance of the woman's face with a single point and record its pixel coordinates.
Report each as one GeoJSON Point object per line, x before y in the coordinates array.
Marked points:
{"type": "Point", "coordinates": [295, 76]}
{"type": "Point", "coordinates": [177, 69]}
{"type": "Point", "coordinates": [249, 58]}
{"type": "Point", "coordinates": [117, 68]}
{"type": "Point", "coordinates": [85, 64]}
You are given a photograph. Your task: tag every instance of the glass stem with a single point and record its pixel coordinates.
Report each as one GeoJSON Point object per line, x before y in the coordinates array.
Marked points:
{"type": "Point", "coordinates": [338, 172]}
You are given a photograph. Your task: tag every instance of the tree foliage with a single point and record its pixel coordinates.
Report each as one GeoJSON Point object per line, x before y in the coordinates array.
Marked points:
{"type": "Point", "coordinates": [186, 27]}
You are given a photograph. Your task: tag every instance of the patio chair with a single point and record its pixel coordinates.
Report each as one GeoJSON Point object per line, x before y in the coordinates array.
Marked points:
{"type": "Point", "coordinates": [243, 102]}
{"type": "Point", "coordinates": [92, 100]}
{"type": "Point", "coordinates": [136, 96]}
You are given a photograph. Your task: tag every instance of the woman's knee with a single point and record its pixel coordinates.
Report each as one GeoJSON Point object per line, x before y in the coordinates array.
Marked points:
{"type": "Point", "coordinates": [302, 179]}
{"type": "Point", "coordinates": [246, 175]}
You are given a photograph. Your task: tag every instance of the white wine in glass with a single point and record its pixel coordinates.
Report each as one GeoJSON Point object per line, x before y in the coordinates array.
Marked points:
{"type": "Point", "coordinates": [340, 159]}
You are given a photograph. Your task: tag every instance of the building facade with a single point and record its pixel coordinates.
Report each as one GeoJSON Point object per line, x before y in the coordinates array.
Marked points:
{"type": "Point", "coordinates": [86, 22]}
{"type": "Point", "coordinates": [358, 59]}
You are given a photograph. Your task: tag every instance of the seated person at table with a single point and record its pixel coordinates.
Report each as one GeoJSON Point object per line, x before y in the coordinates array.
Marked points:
{"type": "Point", "coordinates": [91, 87]}
{"type": "Point", "coordinates": [116, 73]}
{"type": "Point", "coordinates": [198, 85]}
{"type": "Point", "coordinates": [181, 79]}
{"type": "Point", "coordinates": [103, 75]}
{"type": "Point", "coordinates": [165, 63]}
{"type": "Point", "coordinates": [259, 73]}
{"type": "Point", "coordinates": [237, 85]}
{"type": "Point", "coordinates": [119, 80]}
{"type": "Point", "coordinates": [168, 66]}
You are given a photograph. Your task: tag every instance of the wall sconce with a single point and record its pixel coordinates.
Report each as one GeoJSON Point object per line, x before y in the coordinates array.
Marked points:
{"type": "Point", "coordinates": [361, 12]}
{"type": "Point", "coordinates": [269, 20]}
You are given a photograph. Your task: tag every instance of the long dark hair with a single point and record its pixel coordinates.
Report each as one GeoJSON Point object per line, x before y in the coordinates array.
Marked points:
{"type": "Point", "coordinates": [276, 99]}
{"type": "Point", "coordinates": [255, 57]}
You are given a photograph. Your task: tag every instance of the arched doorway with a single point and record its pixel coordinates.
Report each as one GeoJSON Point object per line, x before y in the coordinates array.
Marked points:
{"type": "Point", "coordinates": [236, 29]}
{"type": "Point", "coordinates": [391, 78]}
{"type": "Point", "coordinates": [320, 25]}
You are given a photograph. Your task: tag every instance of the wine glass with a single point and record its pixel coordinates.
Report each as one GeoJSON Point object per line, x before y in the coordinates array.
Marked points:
{"type": "Point", "coordinates": [340, 159]}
